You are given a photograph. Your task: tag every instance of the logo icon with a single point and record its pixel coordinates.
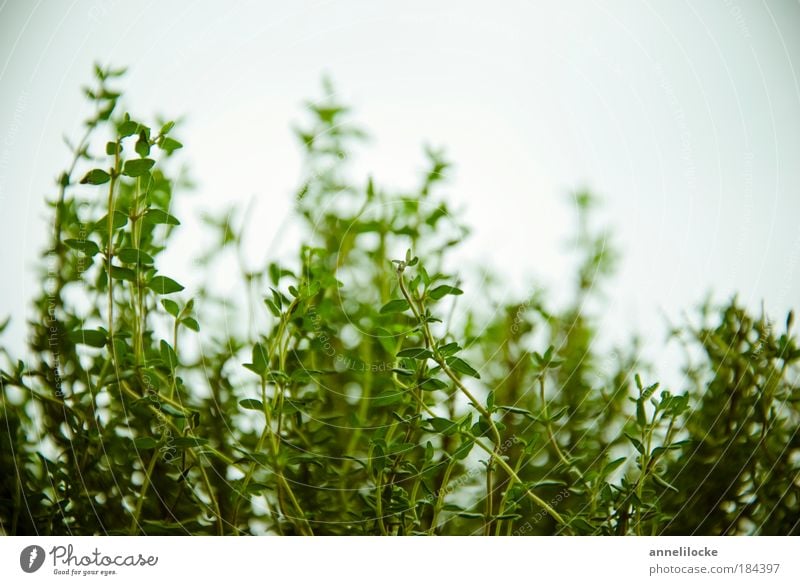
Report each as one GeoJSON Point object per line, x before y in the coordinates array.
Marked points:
{"type": "Point", "coordinates": [31, 558]}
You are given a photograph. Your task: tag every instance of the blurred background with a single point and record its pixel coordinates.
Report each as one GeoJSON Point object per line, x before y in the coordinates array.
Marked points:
{"type": "Point", "coordinates": [683, 117]}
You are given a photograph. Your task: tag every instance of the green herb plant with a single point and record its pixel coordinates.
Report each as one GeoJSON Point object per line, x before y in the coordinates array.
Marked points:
{"type": "Point", "coordinates": [352, 390]}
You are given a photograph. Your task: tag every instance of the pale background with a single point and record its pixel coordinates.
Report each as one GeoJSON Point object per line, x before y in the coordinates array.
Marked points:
{"type": "Point", "coordinates": [683, 116]}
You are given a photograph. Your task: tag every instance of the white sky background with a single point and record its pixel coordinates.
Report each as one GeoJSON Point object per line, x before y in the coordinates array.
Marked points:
{"type": "Point", "coordinates": [684, 117]}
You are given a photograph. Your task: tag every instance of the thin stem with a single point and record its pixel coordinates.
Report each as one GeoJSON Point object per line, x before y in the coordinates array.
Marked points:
{"type": "Point", "coordinates": [502, 508]}
{"type": "Point", "coordinates": [212, 497]}
{"type": "Point", "coordinates": [498, 458]}
{"type": "Point", "coordinates": [379, 502]}
{"type": "Point", "coordinates": [440, 496]}
{"type": "Point", "coordinates": [551, 435]}
{"type": "Point", "coordinates": [533, 497]}
{"type": "Point", "coordinates": [145, 486]}
{"type": "Point", "coordinates": [140, 321]}
{"type": "Point", "coordinates": [457, 381]}
{"type": "Point", "coordinates": [278, 343]}
{"type": "Point", "coordinates": [109, 257]}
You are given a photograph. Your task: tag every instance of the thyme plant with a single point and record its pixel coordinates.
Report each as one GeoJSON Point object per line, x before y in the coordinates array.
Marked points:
{"type": "Point", "coordinates": [357, 396]}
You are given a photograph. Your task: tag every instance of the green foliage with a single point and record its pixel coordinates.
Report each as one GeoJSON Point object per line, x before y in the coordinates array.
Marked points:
{"type": "Point", "coordinates": [363, 398]}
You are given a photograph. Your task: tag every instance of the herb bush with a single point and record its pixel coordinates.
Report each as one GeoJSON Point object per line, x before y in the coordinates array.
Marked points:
{"type": "Point", "coordinates": [357, 400]}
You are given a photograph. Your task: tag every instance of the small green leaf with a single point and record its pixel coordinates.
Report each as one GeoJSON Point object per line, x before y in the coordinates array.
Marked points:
{"type": "Point", "coordinates": [169, 145]}
{"type": "Point", "coordinates": [462, 367]}
{"type": "Point", "coordinates": [89, 337]}
{"type": "Point", "coordinates": [648, 392]}
{"type": "Point", "coordinates": [442, 290]}
{"type": "Point", "coordinates": [113, 148]}
{"type": "Point", "coordinates": [168, 355]}
{"type": "Point", "coordinates": [88, 247]}
{"type": "Point", "coordinates": [252, 404]}
{"type": "Point", "coordinates": [449, 348]}
{"type": "Point", "coordinates": [641, 417]}
{"type": "Point", "coordinates": [120, 273]}
{"type": "Point", "coordinates": [657, 452]}
{"type": "Point", "coordinates": [274, 273]}
{"type": "Point", "coordinates": [156, 216]}
{"type": "Point", "coordinates": [163, 286]}
{"type": "Point", "coordinates": [635, 442]}
{"type": "Point", "coordinates": [142, 145]}
{"type": "Point", "coordinates": [120, 220]}
{"type": "Point", "coordinates": [253, 369]}
{"type": "Point", "coordinates": [515, 410]}
{"type": "Point", "coordinates": [134, 256]}
{"type": "Point", "coordinates": [171, 307]}
{"type": "Point", "coordinates": [145, 443]}
{"type": "Point", "coordinates": [443, 425]}
{"type": "Point", "coordinates": [664, 483]}
{"type": "Point", "coordinates": [612, 465]}
{"type": "Point", "coordinates": [417, 353]}
{"type": "Point", "coordinates": [96, 177]}
{"type": "Point", "coordinates": [395, 306]}
{"type": "Point", "coordinates": [277, 298]}
{"type": "Point", "coordinates": [128, 127]}
{"type": "Point", "coordinates": [172, 411]}
{"type": "Point", "coordinates": [191, 323]}
{"type": "Point", "coordinates": [260, 358]}
{"type": "Point", "coordinates": [137, 167]}
{"type": "Point", "coordinates": [272, 307]}
{"type": "Point", "coordinates": [463, 449]}
{"type": "Point", "coordinates": [433, 384]}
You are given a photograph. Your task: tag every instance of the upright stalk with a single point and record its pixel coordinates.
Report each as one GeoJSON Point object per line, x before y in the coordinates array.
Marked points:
{"type": "Point", "coordinates": [439, 359]}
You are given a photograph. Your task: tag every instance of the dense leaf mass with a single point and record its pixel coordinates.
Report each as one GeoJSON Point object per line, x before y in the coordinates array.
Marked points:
{"type": "Point", "coordinates": [368, 386]}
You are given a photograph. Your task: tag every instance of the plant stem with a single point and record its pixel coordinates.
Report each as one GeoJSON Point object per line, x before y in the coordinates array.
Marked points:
{"type": "Point", "coordinates": [440, 496]}
{"type": "Point", "coordinates": [428, 338]}
{"type": "Point", "coordinates": [109, 257]}
{"type": "Point", "coordinates": [142, 493]}
{"type": "Point", "coordinates": [551, 435]}
{"type": "Point", "coordinates": [498, 458]}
